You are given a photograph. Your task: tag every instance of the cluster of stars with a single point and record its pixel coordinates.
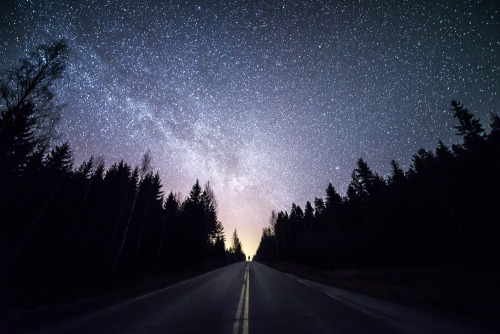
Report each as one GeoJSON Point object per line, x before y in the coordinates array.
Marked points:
{"type": "Point", "coordinates": [268, 100]}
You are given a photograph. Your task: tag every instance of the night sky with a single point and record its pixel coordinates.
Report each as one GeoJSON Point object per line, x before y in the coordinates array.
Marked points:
{"type": "Point", "coordinates": [268, 100]}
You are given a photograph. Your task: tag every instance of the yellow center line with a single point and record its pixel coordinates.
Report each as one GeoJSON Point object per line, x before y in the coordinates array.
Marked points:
{"type": "Point", "coordinates": [244, 296]}
{"type": "Point", "coordinates": [247, 297]}
{"type": "Point", "coordinates": [236, 325]}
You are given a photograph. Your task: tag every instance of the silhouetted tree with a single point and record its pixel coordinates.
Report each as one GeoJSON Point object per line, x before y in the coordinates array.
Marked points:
{"type": "Point", "coordinates": [27, 114]}
{"type": "Point", "coordinates": [169, 237]}
{"type": "Point", "coordinates": [332, 205]}
{"type": "Point", "coordinates": [319, 207]}
{"type": "Point", "coordinates": [470, 127]}
{"type": "Point", "coordinates": [65, 229]}
{"type": "Point", "coordinates": [60, 159]}
{"type": "Point", "coordinates": [236, 248]}
{"type": "Point", "coordinates": [308, 215]}
{"type": "Point", "coordinates": [333, 199]}
{"type": "Point", "coordinates": [495, 128]}
{"type": "Point", "coordinates": [273, 233]}
{"type": "Point", "coordinates": [397, 176]}
{"type": "Point", "coordinates": [441, 211]}
{"type": "Point", "coordinates": [364, 182]}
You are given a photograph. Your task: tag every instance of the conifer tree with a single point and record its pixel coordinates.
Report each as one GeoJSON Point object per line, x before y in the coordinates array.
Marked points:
{"type": "Point", "coordinates": [397, 176]}
{"type": "Point", "coordinates": [333, 199]}
{"type": "Point", "coordinates": [308, 215]}
{"type": "Point", "coordinates": [319, 207]}
{"type": "Point", "coordinates": [470, 127]}
{"type": "Point", "coordinates": [236, 247]}
{"type": "Point", "coordinates": [27, 114]}
{"type": "Point", "coordinates": [60, 159]}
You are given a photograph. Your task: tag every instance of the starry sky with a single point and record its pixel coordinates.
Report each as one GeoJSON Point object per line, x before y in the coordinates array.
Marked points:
{"type": "Point", "coordinates": [268, 100]}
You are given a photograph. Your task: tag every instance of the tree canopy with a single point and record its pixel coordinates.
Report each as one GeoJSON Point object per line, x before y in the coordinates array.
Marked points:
{"type": "Point", "coordinates": [441, 211]}
{"type": "Point", "coordinates": [60, 222]}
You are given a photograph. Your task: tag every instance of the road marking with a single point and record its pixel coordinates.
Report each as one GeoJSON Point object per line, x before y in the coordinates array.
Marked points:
{"type": "Point", "coordinates": [156, 292]}
{"type": "Point", "coordinates": [236, 325]}
{"type": "Point", "coordinates": [354, 305]}
{"type": "Point", "coordinates": [303, 282]}
{"type": "Point", "coordinates": [245, 295]}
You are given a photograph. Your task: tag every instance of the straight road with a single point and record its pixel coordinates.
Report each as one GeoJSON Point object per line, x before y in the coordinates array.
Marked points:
{"type": "Point", "coordinates": [249, 297]}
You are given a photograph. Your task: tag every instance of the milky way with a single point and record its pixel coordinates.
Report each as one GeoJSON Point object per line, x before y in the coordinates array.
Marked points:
{"type": "Point", "coordinates": [267, 100]}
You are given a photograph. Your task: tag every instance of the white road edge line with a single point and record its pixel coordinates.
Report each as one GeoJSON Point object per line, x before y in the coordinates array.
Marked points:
{"type": "Point", "coordinates": [132, 300]}
{"type": "Point", "coordinates": [135, 299]}
{"type": "Point", "coordinates": [353, 305]}
{"type": "Point", "coordinates": [303, 282]}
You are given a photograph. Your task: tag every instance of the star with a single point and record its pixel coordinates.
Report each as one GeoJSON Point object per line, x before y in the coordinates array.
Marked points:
{"type": "Point", "coordinates": [269, 102]}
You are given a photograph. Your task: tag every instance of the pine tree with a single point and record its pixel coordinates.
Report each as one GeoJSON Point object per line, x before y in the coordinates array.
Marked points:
{"type": "Point", "coordinates": [470, 127]}
{"type": "Point", "coordinates": [236, 248]}
{"type": "Point", "coordinates": [195, 194]}
{"type": "Point", "coordinates": [27, 114]}
{"type": "Point", "coordinates": [423, 162]}
{"type": "Point", "coordinates": [17, 140]}
{"type": "Point", "coordinates": [59, 159]}
{"type": "Point", "coordinates": [397, 176]}
{"type": "Point", "coordinates": [273, 220]}
{"type": "Point", "coordinates": [308, 215]}
{"type": "Point", "coordinates": [333, 199]}
{"type": "Point", "coordinates": [319, 207]}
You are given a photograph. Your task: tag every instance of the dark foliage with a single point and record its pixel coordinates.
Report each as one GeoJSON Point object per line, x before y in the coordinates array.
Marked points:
{"type": "Point", "coordinates": [442, 211]}
{"type": "Point", "coordinates": [86, 226]}
{"type": "Point", "coordinates": [236, 249]}
{"type": "Point", "coordinates": [94, 225]}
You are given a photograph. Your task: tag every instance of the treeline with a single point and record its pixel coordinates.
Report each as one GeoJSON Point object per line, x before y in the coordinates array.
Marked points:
{"type": "Point", "coordinates": [442, 211]}
{"type": "Point", "coordinates": [61, 223]}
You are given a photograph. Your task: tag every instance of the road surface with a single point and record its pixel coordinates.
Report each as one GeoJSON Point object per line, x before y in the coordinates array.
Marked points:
{"type": "Point", "coordinates": [249, 297]}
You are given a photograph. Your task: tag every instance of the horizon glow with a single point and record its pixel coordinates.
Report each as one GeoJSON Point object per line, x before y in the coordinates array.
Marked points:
{"type": "Point", "coordinates": [269, 101]}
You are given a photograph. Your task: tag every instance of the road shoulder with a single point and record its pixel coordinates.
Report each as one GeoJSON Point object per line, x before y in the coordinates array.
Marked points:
{"type": "Point", "coordinates": [23, 319]}
{"type": "Point", "coordinates": [453, 292]}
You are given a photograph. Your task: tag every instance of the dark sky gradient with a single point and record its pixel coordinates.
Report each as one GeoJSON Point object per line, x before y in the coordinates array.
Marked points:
{"type": "Point", "coordinates": [268, 100]}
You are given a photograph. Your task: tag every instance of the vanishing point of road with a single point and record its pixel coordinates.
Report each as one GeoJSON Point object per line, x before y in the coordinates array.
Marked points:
{"type": "Point", "coordinates": [249, 297]}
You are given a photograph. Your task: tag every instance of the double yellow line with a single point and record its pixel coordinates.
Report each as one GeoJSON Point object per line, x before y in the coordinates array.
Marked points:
{"type": "Point", "coordinates": [244, 296]}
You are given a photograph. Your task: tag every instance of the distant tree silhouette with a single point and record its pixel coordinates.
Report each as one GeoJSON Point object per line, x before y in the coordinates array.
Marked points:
{"type": "Point", "coordinates": [331, 207]}
{"type": "Point", "coordinates": [308, 215]}
{"type": "Point", "coordinates": [442, 211]}
{"type": "Point", "coordinates": [397, 176]}
{"type": "Point", "coordinates": [319, 207]}
{"type": "Point", "coordinates": [65, 228]}
{"type": "Point", "coordinates": [333, 199]}
{"type": "Point", "coordinates": [60, 159]}
{"type": "Point", "coordinates": [170, 233]}
{"type": "Point", "coordinates": [495, 128]}
{"type": "Point", "coordinates": [236, 248]}
{"type": "Point", "coordinates": [271, 233]}
{"type": "Point", "coordinates": [469, 127]}
{"type": "Point", "coordinates": [364, 182]}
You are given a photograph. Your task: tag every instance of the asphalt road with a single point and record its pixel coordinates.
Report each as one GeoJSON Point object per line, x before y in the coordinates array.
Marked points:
{"type": "Point", "coordinates": [250, 297]}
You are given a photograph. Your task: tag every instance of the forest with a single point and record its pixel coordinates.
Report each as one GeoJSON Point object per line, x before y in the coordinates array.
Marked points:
{"type": "Point", "coordinates": [443, 211]}
{"type": "Point", "coordinates": [87, 224]}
